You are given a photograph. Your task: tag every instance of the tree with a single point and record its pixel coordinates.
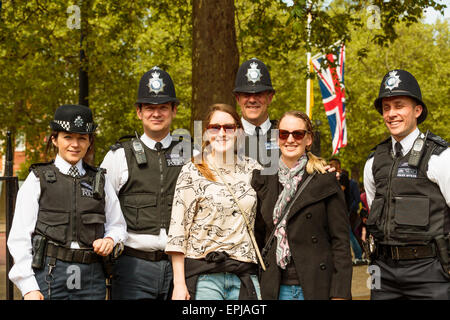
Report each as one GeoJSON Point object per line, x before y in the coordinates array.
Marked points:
{"type": "Point", "coordinates": [215, 57]}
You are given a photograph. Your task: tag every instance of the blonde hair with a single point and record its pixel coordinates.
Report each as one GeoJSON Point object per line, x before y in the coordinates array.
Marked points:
{"type": "Point", "coordinates": [314, 163]}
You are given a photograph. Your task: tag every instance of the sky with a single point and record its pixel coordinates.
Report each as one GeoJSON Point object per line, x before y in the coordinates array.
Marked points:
{"type": "Point", "coordinates": [431, 15]}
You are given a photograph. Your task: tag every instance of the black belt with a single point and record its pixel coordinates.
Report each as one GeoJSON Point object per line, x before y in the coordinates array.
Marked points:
{"type": "Point", "coordinates": [72, 255]}
{"type": "Point", "coordinates": [146, 255]}
{"type": "Point", "coordinates": [406, 252]}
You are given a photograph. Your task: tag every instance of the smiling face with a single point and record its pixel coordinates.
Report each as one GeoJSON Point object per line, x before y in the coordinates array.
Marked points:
{"type": "Point", "coordinates": [292, 149]}
{"type": "Point", "coordinates": [221, 140]}
{"type": "Point", "coordinates": [400, 115]}
{"type": "Point", "coordinates": [254, 106]}
{"type": "Point", "coordinates": [72, 147]}
{"type": "Point", "coordinates": [156, 119]}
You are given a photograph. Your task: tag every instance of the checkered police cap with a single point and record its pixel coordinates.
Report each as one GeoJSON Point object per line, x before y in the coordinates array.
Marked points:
{"type": "Point", "coordinates": [73, 118]}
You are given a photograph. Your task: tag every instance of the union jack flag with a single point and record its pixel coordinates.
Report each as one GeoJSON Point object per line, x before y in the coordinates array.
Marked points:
{"type": "Point", "coordinates": [331, 82]}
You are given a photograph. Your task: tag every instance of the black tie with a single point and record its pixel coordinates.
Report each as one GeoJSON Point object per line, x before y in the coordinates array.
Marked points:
{"type": "Point", "coordinates": [257, 130]}
{"type": "Point", "coordinates": [158, 146]}
{"type": "Point", "coordinates": [73, 171]}
{"type": "Point", "coordinates": [398, 149]}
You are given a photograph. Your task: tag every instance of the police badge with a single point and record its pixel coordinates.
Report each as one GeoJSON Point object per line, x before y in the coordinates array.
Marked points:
{"type": "Point", "coordinates": [253, 73]}
{"type": "Point", "coordinates": [393, 81]}
{"type": "Point", "coordinates": [78, 121]}
{"type": "Point", "coordinates": [155, 83]}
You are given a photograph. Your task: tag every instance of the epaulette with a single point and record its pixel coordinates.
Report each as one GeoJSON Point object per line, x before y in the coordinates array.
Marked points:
{"type": "Point", "coordinates": [371, 154]}
{"type": "Point", "coordinates": [49, 174]}
{"type": "Point", "coordinates": [34, 166]}
{"type": "Point", "coordinates": [93, 168]}
{"type": "Point", "coordinates": [441, 144]}
{"type": "Point", "coordinates": [118, 143]}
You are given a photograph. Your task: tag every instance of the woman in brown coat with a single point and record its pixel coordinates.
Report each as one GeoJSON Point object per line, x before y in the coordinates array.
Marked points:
{"type": "Point", "coordinates": [310, 254]}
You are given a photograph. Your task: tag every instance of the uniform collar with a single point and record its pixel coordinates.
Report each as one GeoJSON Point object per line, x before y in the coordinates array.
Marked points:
{"type": "Point", "coordinates": [249, 128]}
{"type": "Point", "coordinates": [150, 143]}
{"type": "Point", "coordinates": [407, 142]}
{"type": "Point", "coordinates": [63, 166]}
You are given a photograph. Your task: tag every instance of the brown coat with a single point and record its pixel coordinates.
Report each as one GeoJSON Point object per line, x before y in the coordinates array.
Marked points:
{"type": "Point", "coordinates": [318, 236]}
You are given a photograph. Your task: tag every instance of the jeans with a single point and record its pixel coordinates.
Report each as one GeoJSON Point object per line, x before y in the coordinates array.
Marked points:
{"type": "Point", "coordinates": [222, 286]}
{"type": "Point", "coordinates": [71, 281]}
{"type": "Point", "coordinates": [355, 245]}
{"type": "Point", "coordinates": [135, 278]}
{"type": "Point", "coordinates": [290, 293]}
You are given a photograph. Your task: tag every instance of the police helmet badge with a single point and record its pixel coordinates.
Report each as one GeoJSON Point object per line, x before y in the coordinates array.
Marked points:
{"type": "Point", "coordinates": [78, 122]}
{"type": "Point", "coordinates": [392, 81]}
{"type": "Point", "coordinates": [253, 73]}
{"type": "Point", "coordinates": [155, 83]}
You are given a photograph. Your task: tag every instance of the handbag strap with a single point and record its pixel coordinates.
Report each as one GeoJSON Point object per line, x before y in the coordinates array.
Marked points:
{"type": "Point", "coordinates": [249, 228]}
{"type": "Point", "coordinates": [268, 244]}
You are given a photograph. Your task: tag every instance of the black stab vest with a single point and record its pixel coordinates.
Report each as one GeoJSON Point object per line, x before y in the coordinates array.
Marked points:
{"type": "Point", "coordinates": [265, 150]}
{"type": "Point", "coordinates": [68, 210]}
{"type": "Point", "coordinates": [146, 198]}
{"type": "Point", "coordinates": [408, 208]}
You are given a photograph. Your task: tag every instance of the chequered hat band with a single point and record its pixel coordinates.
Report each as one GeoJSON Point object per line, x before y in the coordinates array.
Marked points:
{"type": "Point", "coordinates": [66, 126]}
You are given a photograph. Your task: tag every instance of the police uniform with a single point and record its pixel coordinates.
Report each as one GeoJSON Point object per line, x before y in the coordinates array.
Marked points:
{"type": "Point", "coordinates": [57, 218]}
{"type": "Point", "coordinates": [145, 186]}
{"type": "Point", "coordinates": [260, 143]}
{"type": "Point", "coordinates": [408, 191]}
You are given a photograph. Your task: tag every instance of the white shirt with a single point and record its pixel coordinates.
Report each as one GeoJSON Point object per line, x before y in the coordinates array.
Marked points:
{"type": "Point", "coordinates": [116, 167]}
{"type": "Point", "coordinates": [249, 128]}
{"type": "Point", "coordinates": [25, 218]}
{"type": "Point", "coordinates": [437, 172]}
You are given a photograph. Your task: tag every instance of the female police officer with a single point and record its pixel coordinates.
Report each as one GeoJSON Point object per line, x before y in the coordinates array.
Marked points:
{"type": "Point", "coordinates": [67, 217]}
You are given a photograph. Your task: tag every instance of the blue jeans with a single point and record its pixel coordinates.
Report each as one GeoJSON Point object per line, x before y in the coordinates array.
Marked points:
{"type": "Point", "coordinates": [135, 278]}
{"type": "Point", "coordinates": [222, 286]}
{"type": "Point", "coordinates": [355, 245]}
{"type": "Point", "coordinates": [290, 293]}
{"type": "Point", "coordinates": [72, 281]}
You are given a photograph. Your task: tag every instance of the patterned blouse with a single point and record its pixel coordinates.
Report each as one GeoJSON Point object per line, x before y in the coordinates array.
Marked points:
{"type": "Point", "coordinates": [205, 217]}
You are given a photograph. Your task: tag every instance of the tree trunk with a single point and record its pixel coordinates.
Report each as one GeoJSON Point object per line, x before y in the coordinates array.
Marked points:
{"type": "Point", "coordinates": [215, 56]}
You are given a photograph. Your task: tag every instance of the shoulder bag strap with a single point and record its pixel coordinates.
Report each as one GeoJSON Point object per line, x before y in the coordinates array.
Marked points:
{"type": "Point", "coordinates": [249, 229]}
{"type": "Point", "coordinates": [268, 244]}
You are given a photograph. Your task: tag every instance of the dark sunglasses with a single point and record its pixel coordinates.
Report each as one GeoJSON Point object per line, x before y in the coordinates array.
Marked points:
{"type": "Point", "coordinates": [297, 134]}
{"type": "Point", "coordinates": [215, 128]}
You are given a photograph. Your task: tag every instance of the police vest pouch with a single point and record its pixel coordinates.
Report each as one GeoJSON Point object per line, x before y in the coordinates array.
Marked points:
{"type": "Point", "coordinates": [99, 184]}
{"type": "Point", "coordinates": [374, 221]}
{"type": "Point", "coordinates": [39, 244]}
{"type": "Point", "coordinates": [139, 211]}
{"type": "Point", "coordinates": [412, 212]}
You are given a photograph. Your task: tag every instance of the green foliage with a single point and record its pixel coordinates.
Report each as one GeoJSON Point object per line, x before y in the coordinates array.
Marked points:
{"type": "Point", "coordinates": [39, 62]}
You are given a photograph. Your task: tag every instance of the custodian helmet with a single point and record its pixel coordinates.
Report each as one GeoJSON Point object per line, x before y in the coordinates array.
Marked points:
{"type": "Point", "coordinates": [401, 83]}
{"type": "Point", "coordinates": [253, 77]}
{"type": "Point", "coordinates": [156, 87]}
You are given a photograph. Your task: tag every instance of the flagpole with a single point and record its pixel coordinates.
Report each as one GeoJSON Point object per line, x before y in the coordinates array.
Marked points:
{"type": "Point", "coordinates": [308, 61]}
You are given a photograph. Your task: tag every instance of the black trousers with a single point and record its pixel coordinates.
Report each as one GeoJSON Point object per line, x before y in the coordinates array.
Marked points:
{"type": "Point", "coordinates": [135, 279]}
{"type": "Point", "coordinates": [409, 279]}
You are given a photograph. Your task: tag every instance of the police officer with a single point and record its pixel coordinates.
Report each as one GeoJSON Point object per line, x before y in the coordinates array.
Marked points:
{"type": "Point", "coordinates": [67, 217]}
{"type": "Point", "coordinates": [254, 93]}
{"type": "Point", "coordinates": [144, 171]}
{"type": "Point", "coordinates": [407, 182]}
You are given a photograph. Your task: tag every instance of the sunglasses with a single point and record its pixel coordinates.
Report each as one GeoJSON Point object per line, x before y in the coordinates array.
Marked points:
{"type": "Point", "coordinates": [297, 134]}
{"type": "Point", "coordinates": [215, 128]}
